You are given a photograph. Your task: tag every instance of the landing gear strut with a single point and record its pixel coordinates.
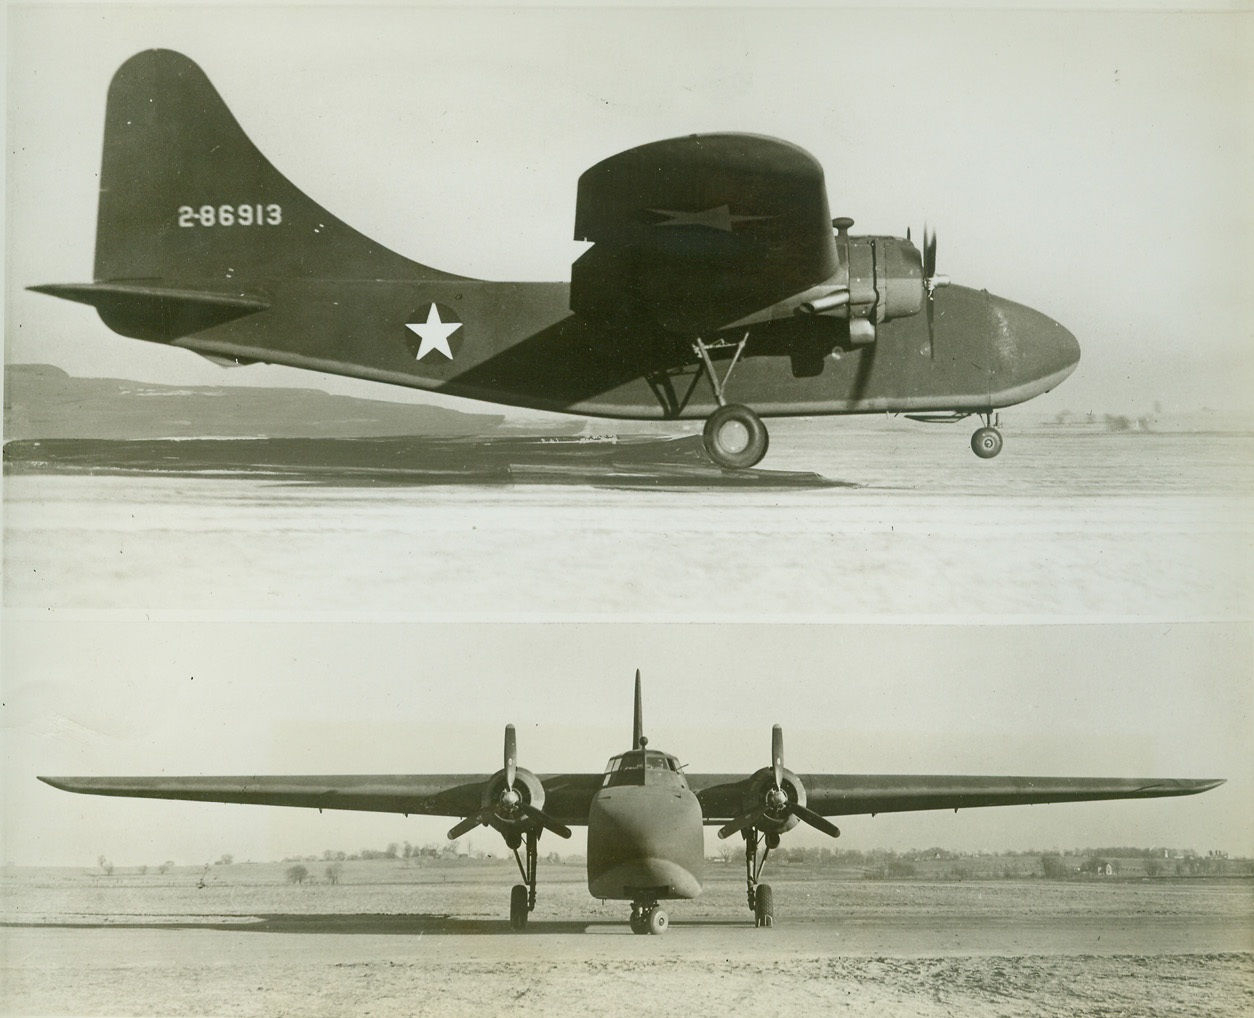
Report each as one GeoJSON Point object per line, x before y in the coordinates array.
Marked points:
{"type": "Point", "coordinates": [735, 437]}
{"type": "Point", "coordinates": [522, 897]}
{"type": "Point", "coordinates": [986, 442]}
{"type": "Point", "coordinates": [761, 900]}
{"type": "Point", "coordinates": [646, 917]}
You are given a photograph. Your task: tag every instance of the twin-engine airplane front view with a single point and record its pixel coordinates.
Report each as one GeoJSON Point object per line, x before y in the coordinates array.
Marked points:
{"type": "Point", "coordinates": [644, 813]}
{"type": "Point", "coordinates": [717, 287]}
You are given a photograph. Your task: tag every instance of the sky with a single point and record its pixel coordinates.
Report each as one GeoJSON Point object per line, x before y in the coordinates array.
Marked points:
{"type": "Point", "coordinates": [1092, 164]}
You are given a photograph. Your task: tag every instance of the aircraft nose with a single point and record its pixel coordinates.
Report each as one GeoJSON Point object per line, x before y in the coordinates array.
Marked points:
{"type": "Point", "coordinates": [641, 839]}
{"type": "Point", "coordinates": [1031, 353]}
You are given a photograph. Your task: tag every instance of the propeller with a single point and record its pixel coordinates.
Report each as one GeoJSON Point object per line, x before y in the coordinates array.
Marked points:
{"type": "Point", "coordinates": [931, 282]}
{"type": "Point", "coordinates": [508, 806]}
{"type": "Point", "coordinates": [777, 806]}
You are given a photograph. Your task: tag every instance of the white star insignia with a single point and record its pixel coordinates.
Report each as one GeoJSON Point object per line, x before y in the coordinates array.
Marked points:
{"type": "Point", "coordinates": [434, 334]}
{"type": "Point", "coordinates": [717, 218]}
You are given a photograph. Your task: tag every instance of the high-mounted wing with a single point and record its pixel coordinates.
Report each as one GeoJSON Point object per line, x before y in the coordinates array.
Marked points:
{"type": "Point", "coordinates": [697, 232]}
{"type": "Point", "coordinates": [725, 797]}
{"type": "Point", "coordinates": [450, 795]}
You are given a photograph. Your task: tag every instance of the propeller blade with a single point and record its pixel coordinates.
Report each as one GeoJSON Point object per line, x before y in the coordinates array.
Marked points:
{"type": "Point", "coordinates": [546, 821]}
{"type": "Point", "coordinates": [511, 757]}
{"type": "Point", "coordinates": [819, 823]}
{"type": "Point", "coordinates": [777, 756]}
{"type": "Point", "coordinates": [929, 253]}
{"type": "Point", "coordinates": [469, 824]}
{"type": "Point", "coordinates": [741, 823]}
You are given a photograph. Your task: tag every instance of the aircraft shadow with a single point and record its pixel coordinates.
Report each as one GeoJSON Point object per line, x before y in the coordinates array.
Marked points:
{"type": "Point", "coordinates": [643, 463]}
{"type": "Point", "coordinates": [372, 924]}
{"type": "Point", "coordinates": [367, 923]}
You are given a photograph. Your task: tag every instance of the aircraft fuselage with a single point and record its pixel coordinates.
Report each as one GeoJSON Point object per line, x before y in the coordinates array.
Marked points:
{"type": "Point", "coordinates": [644, 831]}
{"type": "Point", "coordinates": [519, 344]}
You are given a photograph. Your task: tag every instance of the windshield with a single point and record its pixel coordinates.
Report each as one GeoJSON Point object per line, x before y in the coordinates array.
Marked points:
{"type": "Point", "coordinates": [629, 768]}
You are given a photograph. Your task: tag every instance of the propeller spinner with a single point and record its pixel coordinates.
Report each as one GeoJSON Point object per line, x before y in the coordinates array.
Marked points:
{"type": "Point", "coordinates": [776, 806]}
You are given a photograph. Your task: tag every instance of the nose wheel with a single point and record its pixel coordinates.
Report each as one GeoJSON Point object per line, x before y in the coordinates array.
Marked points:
{"type": "Point", "coordinates": [646, 917]}
{"type": "Point", "coordinates": [986, 442]}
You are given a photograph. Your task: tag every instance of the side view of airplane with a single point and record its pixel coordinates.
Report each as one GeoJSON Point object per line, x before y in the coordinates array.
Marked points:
{"type": "Point", "coordinates": [644, 814]}
{"type": "Point", "coordinates": [717, 288]}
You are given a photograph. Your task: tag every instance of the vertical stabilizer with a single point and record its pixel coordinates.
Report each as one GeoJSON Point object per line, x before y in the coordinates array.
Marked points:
{"type": "Point", "coordinates": [637, 729]}
{"type": "Point", "coordinates": [185, 195]}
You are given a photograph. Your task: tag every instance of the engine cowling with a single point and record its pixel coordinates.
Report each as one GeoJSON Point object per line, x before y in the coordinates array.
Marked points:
{"type": "Point", "coordinates": [762, 795]}
{"type": "Point", "coordinates": [512, 803]}
{"type": "Point", "coordinates": [506, 805]}
{"type": "Point", "coordinates": [879, 278]}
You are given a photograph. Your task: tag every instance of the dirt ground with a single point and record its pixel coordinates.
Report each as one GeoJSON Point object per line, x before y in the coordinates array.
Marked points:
{"type": "Point", "coordinates": [164, 946]}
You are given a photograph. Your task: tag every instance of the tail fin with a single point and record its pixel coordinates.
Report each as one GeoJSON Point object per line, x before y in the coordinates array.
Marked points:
{"type": "Point", "coordinates": [186, 197]}
{"type": "Point", "coordinates": [637, 729]}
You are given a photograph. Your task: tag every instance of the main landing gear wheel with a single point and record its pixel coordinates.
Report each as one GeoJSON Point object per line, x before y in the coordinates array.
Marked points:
{"type": "Point", "coordinates": [986, 443]}
{"type": "Point", "coordinates": [735, 437]}
{"type": "Point", "coordinates": [518, 907]}
{"type": "Point", "coordinates": [763, 906]}
{"type": "Point", "coordinates": [658, 921]}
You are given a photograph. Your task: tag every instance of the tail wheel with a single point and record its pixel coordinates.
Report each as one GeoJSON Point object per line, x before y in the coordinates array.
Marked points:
{"type": "Point", "coordinates": [658, 922]}
{"type": "Point", "coordinates": [735, 437]}
{"type": "Point", "coordinates": [518, 907]}
{"type": "Point", "coordinates": [986, 443]}
{"type": "Point", "coordinates": [764, 906]}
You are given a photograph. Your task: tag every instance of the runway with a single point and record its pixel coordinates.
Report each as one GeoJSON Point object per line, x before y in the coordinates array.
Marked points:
{"type": "Point", "coordinates": [977, 948]}
{"type": "Point", "coordinates": [838, 524]}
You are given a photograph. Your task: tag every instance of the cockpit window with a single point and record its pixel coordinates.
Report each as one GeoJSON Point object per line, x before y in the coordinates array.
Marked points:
{"type": "Point", "coordinates": [630, 768]}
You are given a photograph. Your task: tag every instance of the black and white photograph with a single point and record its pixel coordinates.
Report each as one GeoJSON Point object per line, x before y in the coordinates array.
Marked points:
{"type": "Point", "coordinates": [514, 507]}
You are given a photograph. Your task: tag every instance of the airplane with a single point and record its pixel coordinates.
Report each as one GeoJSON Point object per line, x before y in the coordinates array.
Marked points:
{"type": "Point", "coordinates": [644, 814]}
{"type": "Point", "coordinates": [717, 287]}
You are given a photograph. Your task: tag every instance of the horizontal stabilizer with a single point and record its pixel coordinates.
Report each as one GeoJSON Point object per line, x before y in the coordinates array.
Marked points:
{"type": "Point", "coordinates": [157, 313]}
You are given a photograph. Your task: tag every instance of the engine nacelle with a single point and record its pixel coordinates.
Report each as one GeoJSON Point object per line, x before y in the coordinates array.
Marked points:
{"type": "Point", "coordinates": [762, 787]}
{"type": "Point", "coordinates": [506, 816]}
{"type": "Point", "coordinates": [879, 278]}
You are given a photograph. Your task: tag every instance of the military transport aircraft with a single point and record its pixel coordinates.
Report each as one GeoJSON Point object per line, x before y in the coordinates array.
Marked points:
{"type": "Point", "coordinates": [644, 814]}
{"type": "Point", "coordinates": [717, 286]}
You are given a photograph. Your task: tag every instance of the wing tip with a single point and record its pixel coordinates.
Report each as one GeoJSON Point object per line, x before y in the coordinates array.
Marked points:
{"type": "Point", "coordinates": [61, 783]}
{"type": "Point", "coordinates": [1206, 784]}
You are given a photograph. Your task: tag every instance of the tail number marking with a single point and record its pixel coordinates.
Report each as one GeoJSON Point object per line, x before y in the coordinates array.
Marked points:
{"type": "Point", "coordinates": [230, 215]}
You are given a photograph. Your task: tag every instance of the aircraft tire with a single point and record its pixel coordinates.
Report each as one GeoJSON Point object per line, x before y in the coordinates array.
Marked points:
{"type": "Point", "coordinates": [764, 907]}
{"type": "Point", "coordinates": [658, 922]}
{"type": "Point", "coordinates": [639, 923]}
{"type": "Point", "coordinates": [735, 437]}
{"type": "Point", "coordinates": [986, 443]}
{"type": "Point", "coordinates": [518, 907]}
